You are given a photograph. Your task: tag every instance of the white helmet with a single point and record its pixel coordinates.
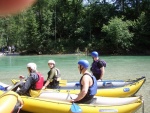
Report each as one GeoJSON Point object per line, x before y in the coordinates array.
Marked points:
{"type": "Point", "coordinates": [32, 66]}
{"type": "Point", "coordinates": [51, 61]}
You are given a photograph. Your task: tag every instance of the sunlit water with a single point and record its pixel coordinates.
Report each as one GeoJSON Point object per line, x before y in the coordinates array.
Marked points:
{"type": "Point", "coordinates": [118, 68]}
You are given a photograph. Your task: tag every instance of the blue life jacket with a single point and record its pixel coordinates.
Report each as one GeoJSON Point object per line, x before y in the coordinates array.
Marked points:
{"type": "Point", "coordinates": [92, 89]}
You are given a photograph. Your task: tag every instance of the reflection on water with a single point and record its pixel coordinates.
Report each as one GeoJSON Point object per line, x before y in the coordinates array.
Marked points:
{"type": "Point", "coordinates": [118, 67]}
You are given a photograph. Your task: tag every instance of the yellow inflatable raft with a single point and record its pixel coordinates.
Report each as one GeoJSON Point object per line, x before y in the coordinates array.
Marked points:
{"type": "Point", "coordinates": [38, 105]}
{"type": "Point", "coordinates": [124, 91]}
{"type": "Point", "coordinates": [10, 102]}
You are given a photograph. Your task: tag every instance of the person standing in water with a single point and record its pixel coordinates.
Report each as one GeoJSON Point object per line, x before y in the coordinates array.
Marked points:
{"type": "Point", "coordinates": [98, 65]}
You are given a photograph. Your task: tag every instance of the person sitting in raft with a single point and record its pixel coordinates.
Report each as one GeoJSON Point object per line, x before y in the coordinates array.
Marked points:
{"type": "Point", "coordinates": [97, 67]}
{"type": "Point", "coordinates": [34, 81]}
{"type": "Point", "coordinates": [88, 84]}
{"type": "Point", "coordinates": [53, 76]}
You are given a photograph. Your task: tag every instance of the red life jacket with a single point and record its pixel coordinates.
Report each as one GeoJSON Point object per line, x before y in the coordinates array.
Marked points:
{"type": "Point", "coordinates": [40, 82]}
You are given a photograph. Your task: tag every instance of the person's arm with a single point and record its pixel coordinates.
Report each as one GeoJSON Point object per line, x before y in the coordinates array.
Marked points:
{"type": "Point", "coordinates": [86, 84]}
{"type": "Point", "coordinates": [52, 74]}
{"type": "Point", "coordinates": [46, 84]}
{"type": "Point", "coordinates": [101, 66]}
{"type": "Point", "coordinates": [102, 72]}
{"type": "Point", "coordinates": [26, 86]}
{"type": "Point", "coordinates": [50, 79]}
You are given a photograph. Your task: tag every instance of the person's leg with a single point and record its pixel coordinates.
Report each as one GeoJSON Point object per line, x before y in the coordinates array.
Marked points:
{"type": "Point", "coordinates": [20, 85]}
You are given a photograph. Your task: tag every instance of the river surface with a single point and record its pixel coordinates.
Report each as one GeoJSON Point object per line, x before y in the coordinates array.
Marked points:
{"type": "Point", "coordinates": [118, 68]}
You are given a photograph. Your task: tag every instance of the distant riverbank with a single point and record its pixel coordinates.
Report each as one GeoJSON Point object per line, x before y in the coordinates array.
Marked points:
{"type": "Point", "coordinates": [9, 54]}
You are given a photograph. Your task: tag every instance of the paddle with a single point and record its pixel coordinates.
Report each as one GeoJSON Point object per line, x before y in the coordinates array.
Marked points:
{"type": "Point", "coordinates": [16, 85]}
{"type": "Point", "coordinates": [75, 108]}
{"type": "Point", "coordinates": [36, 93]}
{"type": "Point", "coordinates": [61, 82]}
{"type": "Point", "coordinates": [3, 88]}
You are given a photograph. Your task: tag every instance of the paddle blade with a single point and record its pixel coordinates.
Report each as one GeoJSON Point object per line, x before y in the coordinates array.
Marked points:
{"type": "Point", "coordinates": [62, 82]}
{"type": "Point", "coordinates": [12, 88]}
{"type": "Point", "coordinates": [75, 108]}
{"type": "Point", "coordinates": [3, 88]}
{"type": "Point", "coordinates": [14, 81]}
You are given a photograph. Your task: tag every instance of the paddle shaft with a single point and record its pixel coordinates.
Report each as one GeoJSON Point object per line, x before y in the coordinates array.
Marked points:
{"type": "Point", "coordinates": [16, 85]}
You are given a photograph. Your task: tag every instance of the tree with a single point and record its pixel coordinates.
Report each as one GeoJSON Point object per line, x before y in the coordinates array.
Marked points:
{"type": "Point", "coordinates": [118, 37]}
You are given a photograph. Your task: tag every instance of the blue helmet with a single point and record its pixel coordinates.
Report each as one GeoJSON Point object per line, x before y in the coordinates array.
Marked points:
{"type": "Point", "coordinates": [94, 54]}
{"type": "Point", "coordinates": [84, 63]}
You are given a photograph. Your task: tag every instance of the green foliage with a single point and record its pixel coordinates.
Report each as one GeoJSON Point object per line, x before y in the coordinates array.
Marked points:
{"type": "Point", "coordinates": [141, 27]}
{"type": "Point", "coordinates": [62, 26]}
{"type": "Point", "coordinates": [118, 35]}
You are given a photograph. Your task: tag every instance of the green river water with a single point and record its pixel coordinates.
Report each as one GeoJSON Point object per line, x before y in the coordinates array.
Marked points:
{"type": "Point", "coordinates": [118, 68]}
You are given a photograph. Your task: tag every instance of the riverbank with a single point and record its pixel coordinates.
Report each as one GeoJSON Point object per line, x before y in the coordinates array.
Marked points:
{"type": "Point", "coordinates": [1, 54]}
{"type": "Point", "coordinates": [9, 54]}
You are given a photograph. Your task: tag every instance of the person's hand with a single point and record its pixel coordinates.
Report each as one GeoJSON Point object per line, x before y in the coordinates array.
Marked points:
{"type": "Point", "coordinates": [43, 87]}
{"type": "Point", "coordinates": [59, 78]}
{"type": "Point", "coordinates": [99, 80]}
{"type": "Point", "coordinates": [72, 100]}
{"type": "Point", "coordinates": [21, 77]}
{"type": "Point", "coordinates": [19, 92]}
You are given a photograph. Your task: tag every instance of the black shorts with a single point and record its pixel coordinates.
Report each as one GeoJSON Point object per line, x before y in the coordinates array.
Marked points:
{"type": "Point", "coordinates": [86, 100]}
{"type": "Point", "coordinates": [97, 76]}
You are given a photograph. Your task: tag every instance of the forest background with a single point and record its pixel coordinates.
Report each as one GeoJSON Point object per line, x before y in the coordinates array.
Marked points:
{"type": "Point", "coordinates": [114, 27]}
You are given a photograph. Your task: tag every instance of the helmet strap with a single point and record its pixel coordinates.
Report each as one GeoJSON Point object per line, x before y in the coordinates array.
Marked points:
{"type": "Point", "coordinates": [81, 69]}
